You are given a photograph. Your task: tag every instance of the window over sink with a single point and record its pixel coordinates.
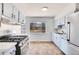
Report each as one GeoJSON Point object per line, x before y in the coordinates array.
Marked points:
{"type": "Point", "coordinates": [37, 27]}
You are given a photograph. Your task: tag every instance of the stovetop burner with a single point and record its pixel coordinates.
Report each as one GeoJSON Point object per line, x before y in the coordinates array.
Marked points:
{"type": "Point", "coordinates": [12, 39]}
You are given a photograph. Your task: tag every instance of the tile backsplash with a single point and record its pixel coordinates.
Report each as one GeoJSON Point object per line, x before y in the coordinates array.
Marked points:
{"type": "Point", "coordinates": [5, 28]}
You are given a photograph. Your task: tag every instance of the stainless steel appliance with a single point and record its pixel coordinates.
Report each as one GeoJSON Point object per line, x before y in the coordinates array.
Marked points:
{"type": "Point", "coordinates": [73, 29]}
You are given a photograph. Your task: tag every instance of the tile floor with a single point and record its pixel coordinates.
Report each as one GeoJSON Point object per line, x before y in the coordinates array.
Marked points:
{"type": "Point", "coordinates": [44, 48]}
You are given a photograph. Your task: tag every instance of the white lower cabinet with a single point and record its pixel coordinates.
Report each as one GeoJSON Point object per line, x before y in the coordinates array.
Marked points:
{"type": "Point", "coordinates": [10, 51]}
{"type": "Point", "coordinates": [57, 40]}
{"type": "Point", "coordinates": [65, 46]}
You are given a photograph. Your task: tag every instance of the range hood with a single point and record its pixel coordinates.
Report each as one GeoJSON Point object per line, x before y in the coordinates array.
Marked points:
{"type": "Point", "coordinates": [8, 20]}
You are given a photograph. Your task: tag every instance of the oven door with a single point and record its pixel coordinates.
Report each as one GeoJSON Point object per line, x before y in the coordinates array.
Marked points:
{"type": "Point", "coordinates": [25, 47]}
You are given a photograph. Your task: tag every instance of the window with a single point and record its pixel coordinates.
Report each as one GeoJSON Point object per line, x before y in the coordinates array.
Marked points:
{"type": "Point", "coordinates": [37, 27]}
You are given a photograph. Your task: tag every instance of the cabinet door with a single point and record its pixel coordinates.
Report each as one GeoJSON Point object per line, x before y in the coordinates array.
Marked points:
{"type": "Point", "coordinates": [0, 12]}
{"type": "Point", "coordinates": [54, 39]}
{"type": "Point", "coordinates": [8, 10]}
{"type": "Point", "coordinates": [20, 17]}
{"type": "Point", "coordinates": [57, 39]}
{"type": "Point", "coordinates": [15, 14]}
{"type": "Point", "coordinates": [62, 20]}
{"type": "Point", "coordinates": [55, 23]}
{"type": "Point", "coordinates": [10, 51]}
{"type": "Point", "coordinates": [64, 44]}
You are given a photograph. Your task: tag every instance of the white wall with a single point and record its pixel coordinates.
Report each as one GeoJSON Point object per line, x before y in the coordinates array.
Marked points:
{"type": "Point", "coordinates": [16, 28]}
{"type": "Point", "coordinates": [40, 36]}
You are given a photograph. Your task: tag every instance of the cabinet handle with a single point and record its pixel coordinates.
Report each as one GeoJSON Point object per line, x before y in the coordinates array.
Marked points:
{"type": "Point", "coordinates": [3, 53]}
{"type": "Point", "coordinates": [12, 15]}
{"type": "Point", "coordinates": [62, 38]}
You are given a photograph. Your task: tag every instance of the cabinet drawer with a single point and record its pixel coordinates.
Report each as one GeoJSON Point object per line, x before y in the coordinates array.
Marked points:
{"type": "Point", "coordinates": [11, 51]}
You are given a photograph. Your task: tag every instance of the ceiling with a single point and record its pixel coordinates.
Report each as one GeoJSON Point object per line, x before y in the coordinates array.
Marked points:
{"type": "Point", "coordinates": [34, 9]}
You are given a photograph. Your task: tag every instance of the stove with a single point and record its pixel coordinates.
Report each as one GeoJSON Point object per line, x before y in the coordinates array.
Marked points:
{"type": "Point", "coordinates": [20, 40]}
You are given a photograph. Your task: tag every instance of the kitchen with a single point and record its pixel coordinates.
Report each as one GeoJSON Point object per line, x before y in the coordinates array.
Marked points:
{"type": "Point", "coordinates": [39, 29]}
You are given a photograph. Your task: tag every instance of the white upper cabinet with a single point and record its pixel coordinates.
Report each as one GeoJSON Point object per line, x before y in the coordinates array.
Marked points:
{"type": "Point", "coordinates": [56, 23]}
{"type": "Point", "coordinates": [21, 17]}
{"type": "Point", "coordinates": [62, 20]}
{"type": "Point", "coordinates": [15, 14]}
{"type": "Point", "coordinates": [0, 12]}
{"type": "Point", "coordinates": [8, 10]}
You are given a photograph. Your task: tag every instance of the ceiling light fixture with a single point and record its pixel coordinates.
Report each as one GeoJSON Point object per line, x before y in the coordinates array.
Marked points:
{"type": "Point", "coordinates": [44, 8]}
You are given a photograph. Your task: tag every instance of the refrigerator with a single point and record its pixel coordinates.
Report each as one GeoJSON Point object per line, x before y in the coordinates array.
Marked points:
{"type": "Point", "coordinates": [73, 29]}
